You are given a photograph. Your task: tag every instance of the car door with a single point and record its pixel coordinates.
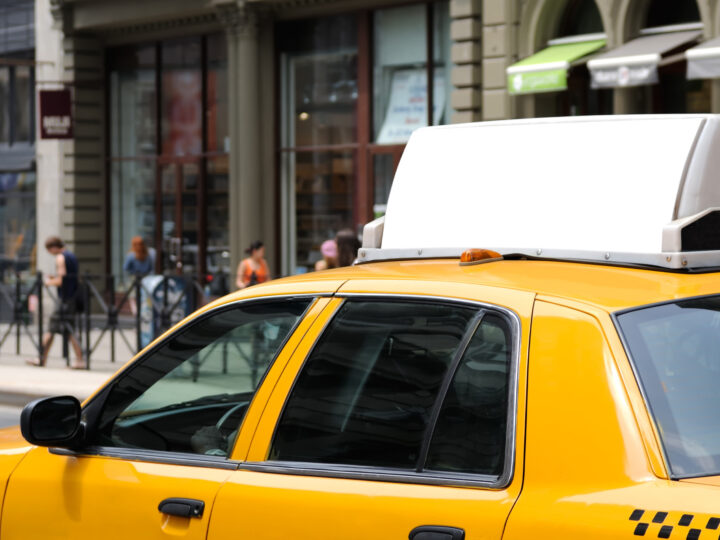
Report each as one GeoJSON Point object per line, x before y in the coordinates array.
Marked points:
{"type": "Point", "coordinates": [400, 417]}
{"type": "Point", "coordinates": [159, 434]}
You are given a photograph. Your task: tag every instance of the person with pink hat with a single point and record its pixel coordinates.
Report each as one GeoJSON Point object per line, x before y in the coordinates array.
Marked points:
{"type": "Point", "coordinates": [329, 253]}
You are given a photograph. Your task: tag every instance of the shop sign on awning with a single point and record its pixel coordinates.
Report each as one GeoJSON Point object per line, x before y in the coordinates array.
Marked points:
{"type": "Point", "coordinates": [635, 63]}
{"type": "Point", "coordinates": [703, 61]}
{"type": "Point", "coordinates": [56, 114]}
{"type": "Point", "coordinates": [546, 71]}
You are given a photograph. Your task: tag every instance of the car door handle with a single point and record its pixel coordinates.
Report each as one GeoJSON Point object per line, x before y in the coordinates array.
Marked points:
{"type": "Point", "coordinates": [434, 532]}
{"type": "Point", "coordinates": [177, 506]}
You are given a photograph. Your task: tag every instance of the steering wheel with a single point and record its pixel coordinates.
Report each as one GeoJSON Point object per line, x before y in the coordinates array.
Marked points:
{"type": "Point", "coordinates": [224, 418]}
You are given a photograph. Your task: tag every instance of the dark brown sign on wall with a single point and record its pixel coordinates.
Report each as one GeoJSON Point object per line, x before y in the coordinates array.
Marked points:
{"type": "Point", "coordinates": [56, 114]}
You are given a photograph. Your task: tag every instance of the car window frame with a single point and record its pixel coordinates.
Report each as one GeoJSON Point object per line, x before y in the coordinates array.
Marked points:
{"type": "Point", "coordinates": [405, 476]}
{"type": "Point", "coordinates": [93, 408]}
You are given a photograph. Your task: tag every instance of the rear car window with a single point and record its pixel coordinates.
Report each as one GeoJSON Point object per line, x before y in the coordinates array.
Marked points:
{"type": "Point", "coordinates": [675, 350]}
{"type": "Point", "coordinates": [402, 385]}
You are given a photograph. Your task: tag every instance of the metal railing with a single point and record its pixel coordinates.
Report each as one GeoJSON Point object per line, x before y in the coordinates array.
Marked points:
{"type": "Point", "coordinates": [97, 311]}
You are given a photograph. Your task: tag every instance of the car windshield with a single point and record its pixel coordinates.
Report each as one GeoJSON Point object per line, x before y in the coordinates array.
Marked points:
{"type": "Point", "coordinates": [675, 349]}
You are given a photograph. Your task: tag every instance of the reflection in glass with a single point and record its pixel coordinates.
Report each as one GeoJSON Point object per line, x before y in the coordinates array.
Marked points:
{"type": "Point", "coordinates": [323, 188]}
{"type": "Point", "coordinates": [441, 63]}
{"type": "Point", "coordinates": [17, 220]}
{"type": "Point", "coordinates": [366, 393]}
{"type": "Point", "coordinates": [218, 240]}
{"type": "Point", "coordinates": [132, 206]}
{"type": "Point", "coordinates": [471, 428]}
{"type": "Point", "coordinates": [383, 171]}
{"type": "Point", "coordinates": [22, 104]}
{"type": "Point", "coordinates": [195, 389]}
{"type": "Point", "coordinates": [132, 107]}
{"type": "Point", "coordinates": [181, 98]}
{"type": "Point", "coordinates": [319, 79]}
{"type": "Point", "coordinates": [4, 100]}
{"type": "Point", "coordinates": [400, 72]}
{"type": "Point", "coordinates": [216, 106]}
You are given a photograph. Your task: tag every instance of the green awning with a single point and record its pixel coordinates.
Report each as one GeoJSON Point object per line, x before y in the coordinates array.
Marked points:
{"type": "Point", "coordinates": [546, 71]}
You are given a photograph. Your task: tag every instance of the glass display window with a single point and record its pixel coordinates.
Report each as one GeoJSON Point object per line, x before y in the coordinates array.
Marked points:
{"type": "Point", "coordinates": [401, 73]}
{"type": "Point", "coordinates": [168, 141]}
{"type": "Point", "coordinates": [352, 89]}
{"type": "Point", "coordinates": [4, 100]}
{"type": "Point", "coordinates": [216, 104]}
{"type": "Point", "coordinates": [182, 98]}
{"type": "Point", "coordinates": [17, 101]}
{"type": "Point", "coordinates": [17, 222]}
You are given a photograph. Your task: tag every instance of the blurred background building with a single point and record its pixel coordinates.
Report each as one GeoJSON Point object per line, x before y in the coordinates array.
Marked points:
{"type": "Point", "coordinates": [203, 125]}
{"type": "Point", "coordinates": [17, 134]}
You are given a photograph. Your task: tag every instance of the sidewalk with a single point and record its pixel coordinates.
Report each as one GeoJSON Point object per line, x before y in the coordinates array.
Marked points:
{"type": "Point", "coordinates": [20, 383]}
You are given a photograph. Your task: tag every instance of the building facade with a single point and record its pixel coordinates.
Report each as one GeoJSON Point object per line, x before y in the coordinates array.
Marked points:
{"type": "Point", "coordinates": [17, 136]}
{"type": "Point", "coordinates": [204, 125]}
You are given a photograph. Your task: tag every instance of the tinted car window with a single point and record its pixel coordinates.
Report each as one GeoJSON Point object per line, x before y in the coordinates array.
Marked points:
{"type": "Point", "coordinates": [472, 425]}
{"type": "Point", "coordinates": [191, 394]}
{"type": "Point", "coordinates": [370, 389]}
{"type": "Point", "coordinates": [675, 349]}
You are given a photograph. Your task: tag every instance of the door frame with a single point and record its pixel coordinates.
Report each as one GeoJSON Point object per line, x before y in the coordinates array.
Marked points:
{"type": "Point", "coordinates": [200, 207]}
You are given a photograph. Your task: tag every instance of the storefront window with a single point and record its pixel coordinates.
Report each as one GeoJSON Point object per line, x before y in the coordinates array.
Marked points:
{"type": "Point", "coordinates": [319, 110]}
{"type": "Point", "coordinates": [17, 217]}
{"type": "Point", "coordinates": [216, 106]}
{"type": "Point", "coordinates": [133, 127]}
{"type": "Point", "coordinates": [353, 88]}
{"type": "Point", "coordinates": [324, 183]}
{"type": "Point", "coordinates": [441, 64]}
{"type": "Point", "coordinates": [132, 97]}
{"type": "Point", "coordinates": [169, 185]}
{"type": "Point", "coordinates": [132, 206]}
{"type": "Point", "coordinates": [4, 100]}
{"type": "Point", "coordinates": [22, 106]}
{"type": "Point", "coordinates": [181, 98]}
{"type": "Point", "coordinates": [320, 82]}
{"type": "Point", "coordinates": [401, 72]}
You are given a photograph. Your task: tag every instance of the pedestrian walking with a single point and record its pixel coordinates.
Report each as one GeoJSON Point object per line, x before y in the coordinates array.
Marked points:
{"type": "Point", "coordinates": [63, 317]}
{"type": "Point", "coordinates": [253, 269]}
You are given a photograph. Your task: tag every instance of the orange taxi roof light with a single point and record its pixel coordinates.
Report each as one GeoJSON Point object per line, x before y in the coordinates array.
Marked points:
{"type": "Point", "coordinates": [477, 255]}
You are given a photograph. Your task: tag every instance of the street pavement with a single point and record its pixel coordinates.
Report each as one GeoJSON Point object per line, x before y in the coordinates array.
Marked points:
{"type": "Point", "coordinates": [20, 383]}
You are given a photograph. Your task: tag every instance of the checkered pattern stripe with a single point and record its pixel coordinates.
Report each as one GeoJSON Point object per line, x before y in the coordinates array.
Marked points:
{"type": "Point", "coordinates": [663, 525]}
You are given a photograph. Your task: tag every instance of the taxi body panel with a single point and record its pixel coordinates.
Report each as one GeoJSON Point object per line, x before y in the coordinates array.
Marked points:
{"type": "Point", "coordinates": [321, 506]}
{"type": "Point", "coordinates": [66, 496]}
{"type": "Point", "coordinates": [587, 457]}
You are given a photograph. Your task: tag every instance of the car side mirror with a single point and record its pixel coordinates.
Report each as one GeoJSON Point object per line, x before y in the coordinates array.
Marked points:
{"type": "Point", "coordinates": [53, 421]}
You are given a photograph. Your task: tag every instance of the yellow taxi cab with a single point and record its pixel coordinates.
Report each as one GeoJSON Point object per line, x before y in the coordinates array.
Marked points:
{"type": "Point", "coordinates": [563, 389]}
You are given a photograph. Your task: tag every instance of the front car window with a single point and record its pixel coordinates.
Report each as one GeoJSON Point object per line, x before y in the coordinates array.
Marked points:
{"type": "Point", "coordinates": [191, 394]}
{"type": "Point", "coordinates": [675, 349]}
{"type": "Point", "coordinates": [404, 385]}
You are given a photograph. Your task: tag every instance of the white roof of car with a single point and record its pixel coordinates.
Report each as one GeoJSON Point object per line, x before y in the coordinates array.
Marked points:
{"type": "Point", "coordinates": [612, 188]}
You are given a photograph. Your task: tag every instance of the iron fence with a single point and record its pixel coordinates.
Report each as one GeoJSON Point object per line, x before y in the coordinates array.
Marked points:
{"type": "Point", "coordinates": [97, 311]}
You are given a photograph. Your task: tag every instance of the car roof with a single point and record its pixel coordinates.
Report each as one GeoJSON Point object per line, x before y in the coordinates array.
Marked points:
{"type": "Point", "coordinates": [607, 287]}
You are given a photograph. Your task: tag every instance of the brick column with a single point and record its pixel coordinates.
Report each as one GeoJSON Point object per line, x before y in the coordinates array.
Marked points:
{"type": "Point", "coordinates": [82, 208]}
{"type": "Point", "coordinates": [466, 56]}
{"type": "Point", "coordinates": [500, 22]}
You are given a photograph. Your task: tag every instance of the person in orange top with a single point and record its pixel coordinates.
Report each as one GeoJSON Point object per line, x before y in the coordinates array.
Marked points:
{"type": "Point", "coordinates": [253, 269]}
